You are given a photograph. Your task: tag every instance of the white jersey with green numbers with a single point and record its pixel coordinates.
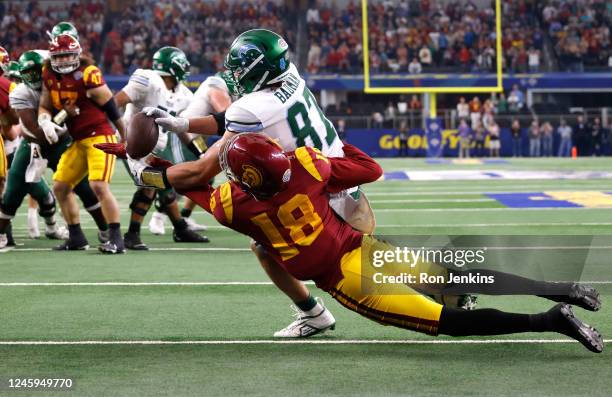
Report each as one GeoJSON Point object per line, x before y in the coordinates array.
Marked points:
{"type": "Point", "coordinates": [289, 114]}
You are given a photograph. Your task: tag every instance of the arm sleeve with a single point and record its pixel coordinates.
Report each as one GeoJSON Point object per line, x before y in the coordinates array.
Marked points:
{"type": "Point", "coordinates": [92, 77]}
{"type": "Point", "coordinates": [239, 119]}
{"type": "Point", "coordinates": [354, 169]}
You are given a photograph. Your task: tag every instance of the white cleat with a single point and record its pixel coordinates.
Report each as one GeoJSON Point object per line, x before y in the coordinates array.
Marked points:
{"type": "Point", "coordinates": [4, 247]}
{"type": "Point", "coordinates": [55, 232]}
{"type": "Point", "coordinates": [157, 223]}
{"type": "Point", "coordinates": [33, 230]}
{"type": "Point", "coordinates": [306, 325]}
{"type": "Point", "coordinates": [194, 226]}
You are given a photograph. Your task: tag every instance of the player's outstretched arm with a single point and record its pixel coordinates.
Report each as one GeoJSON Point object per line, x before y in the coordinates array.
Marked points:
{"type": "Point", "coordinates": [206, 125]}
{"type": "Point", "coordinates": [354, 169]}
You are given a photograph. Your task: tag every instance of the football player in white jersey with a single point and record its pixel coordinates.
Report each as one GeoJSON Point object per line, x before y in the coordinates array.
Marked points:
{"type": "Point", "coordinates": [161, 87]}
{"type": "Point", "coordinates": [273, 100]}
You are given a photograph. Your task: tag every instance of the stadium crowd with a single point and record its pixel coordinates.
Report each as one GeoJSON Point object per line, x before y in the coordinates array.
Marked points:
{"type": "Point", "coordinates": [204, 30]}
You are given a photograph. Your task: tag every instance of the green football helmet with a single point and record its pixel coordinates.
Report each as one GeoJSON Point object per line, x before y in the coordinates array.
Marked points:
{"type": "Point", "coordinates": [257, 58]}
{"type": "Point", "coordinates": [171, 61]}
{"type": "Point", "coordinates": [64, 28]}
{"type": "Point", "coordinates": [12, 71]}
{"type": "Point", "coordinates": [30, 69]}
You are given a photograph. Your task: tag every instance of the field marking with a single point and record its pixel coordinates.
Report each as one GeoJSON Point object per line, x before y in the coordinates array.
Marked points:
{"type": "Point", "coordinates": [476, 200]}
{"type": "Point", "coordinates": [484, 209]}
{"type": "Point", "coordinates": [472, 192]}
{"type": "Point", "coordinates": [175, 249]}
{"type": "Point", "coordinates": [173, 283]}
{"type": "Point", "coordinates": [497, 224]}
{"type": "Point", "coordinates": [293, 342]}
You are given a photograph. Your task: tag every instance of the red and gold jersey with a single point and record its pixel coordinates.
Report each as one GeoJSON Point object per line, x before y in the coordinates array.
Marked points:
{"type": "Point", "coordinates": [6, 86]}
{"type": "Point", "coordinates": [297, 226]}
{"type": "Point", "coordinates": [72, 88]}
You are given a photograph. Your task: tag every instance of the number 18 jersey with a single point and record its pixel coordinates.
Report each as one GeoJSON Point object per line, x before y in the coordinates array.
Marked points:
{"type": "Point", "coordinates": [288, 113]}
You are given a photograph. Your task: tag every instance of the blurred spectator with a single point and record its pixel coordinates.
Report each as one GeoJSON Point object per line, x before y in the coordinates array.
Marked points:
{"type": "Point", "coordinates": [479, 139]}
{"type": "Point", "coordinates": [377, 120]}
{"type": "Point", "coordinates": [465, 139]}
{"type": "Point", "coordinates": [390, 112]}
{"type": "Point", "coordinates": [534, 139]}
{"type": "Point", "coordinates": [517, 143]}
{"type": "Point", "coordinates": [494, 141]}
{"type": "Point", "coordinates": [596, 137]}
{"type": "Point", "coordinates": [403, 139]}
{"type": "Point", "coordinates": [582, 136]}
{"type": "Point", "coordinates": [415, 67]}
{"type": "Point", "coordinates": [516, 99]}
{"type": "Point", "coordinates": [341, 129]}
{"type": "Point", "coordinates": [565, 134]}
{"type": "Point", "coordinates": [502, 104]}
{"type": "Point", "coordinates": [534, 60]}
{"type": "Point", "coordinates": [463, 109]}
{"type": "Point", "coordinates": [415, 103]}
{"type": "Point", "coordinates": [475, 111]}
{"type": "Point", "coordinates": [546, 133]}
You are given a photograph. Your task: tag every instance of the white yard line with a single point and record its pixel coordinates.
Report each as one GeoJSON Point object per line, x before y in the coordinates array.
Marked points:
{"type": "Point", "coordinates": [476, 200]}
{"type": "Point", "coordinates": [485, 209]}
{"type": "Point", "coordinates": [293, 342]}
{"type": "Point", "coordinates": [175, 249]}
{"type": "Point", "coordinates": [172, 283]}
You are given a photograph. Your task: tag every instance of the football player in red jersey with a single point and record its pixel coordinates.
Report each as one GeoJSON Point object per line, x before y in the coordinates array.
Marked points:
{"type": "Point", "coordinates": [74, 89]}
{"type": "Point", "coordinates": [281, 200]}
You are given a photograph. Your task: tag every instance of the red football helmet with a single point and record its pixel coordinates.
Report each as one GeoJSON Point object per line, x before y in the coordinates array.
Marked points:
{"type": "Point", "coordinates": [64, 52]}
{"type": "Point", "coordinates": [256, 163]}
{"type": "Point", "coordinates": [4, 59]}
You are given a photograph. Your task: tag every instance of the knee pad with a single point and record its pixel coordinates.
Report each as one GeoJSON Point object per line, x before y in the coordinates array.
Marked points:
{"type": "Point", "coordinates": [46, 207]}
{"type": "Point", "coordinates": [164, 199]}
{"type": "Point", "coordinates": [140, 197]}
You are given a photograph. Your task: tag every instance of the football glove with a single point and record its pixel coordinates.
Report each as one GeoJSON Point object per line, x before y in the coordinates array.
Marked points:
{"type": "Point", "coordinates": [117, 149]}
{"type": "Point", "coordinates": [51, 130]}
{"type": "Point", "coordinates": [166, 120]}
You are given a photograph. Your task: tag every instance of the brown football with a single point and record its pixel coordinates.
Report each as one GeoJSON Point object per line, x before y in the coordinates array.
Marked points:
{"type": "Point", "coordinates": [142, 136]}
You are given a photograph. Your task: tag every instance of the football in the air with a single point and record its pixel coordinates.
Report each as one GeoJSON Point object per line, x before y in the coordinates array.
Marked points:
{"type": "Point", "coordinates": [142, 136]}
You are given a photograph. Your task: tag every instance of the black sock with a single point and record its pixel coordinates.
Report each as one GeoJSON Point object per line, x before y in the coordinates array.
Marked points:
{"type": "Point", "coordinates": [134, 227]}
{"type": "Point", "coordinates": [98, 217]}
{"type": "Point", "coordinates": [185, 212]}
{"type": "Point", "coordinates": [458, 322]}
{"type": "Point", "coordinates": [75, 233]}
{"type": "Point", "coordinates": [506, 284]}
{"type": "Point", "coordinates": [114, 230]}
{"type": "Point", "coordinates": [307, 304]}
{"type": "Point", "coordinates": [180, 224]}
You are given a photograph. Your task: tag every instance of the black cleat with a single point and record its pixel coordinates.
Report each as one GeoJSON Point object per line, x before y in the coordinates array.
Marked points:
{"type": "Point", "coordinates": [574, 328]}
{"type": "Point", "coordinates": [188, 236]}
{"type": "Point", "coordinates": [71, 245]}
{"type": "Point", "coordinates": [584, 296]}
{"type": "Point", "coordinates": [132, 241]}
{"type": "Point", "coordinates": [112, 247]}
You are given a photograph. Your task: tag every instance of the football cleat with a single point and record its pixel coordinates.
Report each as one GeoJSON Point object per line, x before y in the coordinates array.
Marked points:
{"type": "Point", "coordinates": [574, 328]}
{"type": "Point", "coordinates": [55, 232]}
{"type": "Point", "coordinates": [156, 224]}
{"type": "Point", "coordinates": [33, 230]}
{"type": "Point", "coordinates": [584, 296]}
{"type": "Point", "coordinates": [193, 225]}
{"type": "Point", "coordinates": [103, 235]}
{"type": "Point", "coordinates": [132, 241]}
{"type": "Point", "coordinates": [71, 245]}
{"type": "Point", "coordinates": [4, 243]}
{"type": "Point", "coordinates": [306, 325]}
{"type": "Point", "coordinates": [188, 236]}
{"type": "Point", "coordinates": [111, 247]}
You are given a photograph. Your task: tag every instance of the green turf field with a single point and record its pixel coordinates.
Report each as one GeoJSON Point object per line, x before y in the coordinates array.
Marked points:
{"type": "Point", "coordinates": [198, 319]}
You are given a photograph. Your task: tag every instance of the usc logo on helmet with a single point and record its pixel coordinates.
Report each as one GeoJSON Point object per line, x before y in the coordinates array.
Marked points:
{"type": "Point", "coordinates": [251, 176]}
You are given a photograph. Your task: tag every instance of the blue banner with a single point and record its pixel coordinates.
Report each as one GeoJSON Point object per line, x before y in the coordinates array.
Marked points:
{"type": "Point", "coordinates": [596, 81]}
{"type": "Point", "coordinates": [435, 143]}
{"type": "Point", "coordinates": [386, 143]}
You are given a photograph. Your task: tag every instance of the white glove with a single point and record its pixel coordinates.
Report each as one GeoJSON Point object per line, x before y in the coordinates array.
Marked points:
{"type": "Point", "coordinates": [166, 120]}
{"type": "Point", "coordinates": [136, 168]}
{"type": "Point", "coordinates": [50, 129]}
